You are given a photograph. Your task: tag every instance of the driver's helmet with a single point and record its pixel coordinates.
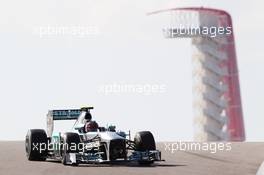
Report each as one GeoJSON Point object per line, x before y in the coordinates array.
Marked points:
{"type": "Point", "coordinates": [91, 126]}
{"type": "Point", "coordinates": [88, 116]}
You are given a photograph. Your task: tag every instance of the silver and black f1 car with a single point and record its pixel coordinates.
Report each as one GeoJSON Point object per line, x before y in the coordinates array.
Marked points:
{"type": "Point", "coordinates": [88, 143]}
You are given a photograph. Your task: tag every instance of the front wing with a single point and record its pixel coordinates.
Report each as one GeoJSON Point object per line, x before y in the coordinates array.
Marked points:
{"type": "Point", "coordinates": [136, 156]}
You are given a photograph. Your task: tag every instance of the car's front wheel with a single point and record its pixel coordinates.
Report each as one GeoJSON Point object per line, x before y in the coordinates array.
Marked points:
{"type": "Point", "coordinates": [144, 141]}
{"type": "Point", "coordinates": [70, 144]}
{"type": "Point", "coordinates": [36, 144]}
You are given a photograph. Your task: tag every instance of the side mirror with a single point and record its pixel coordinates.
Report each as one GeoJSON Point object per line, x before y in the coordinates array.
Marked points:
{"type": "Point", "coordinates": [80, 129]}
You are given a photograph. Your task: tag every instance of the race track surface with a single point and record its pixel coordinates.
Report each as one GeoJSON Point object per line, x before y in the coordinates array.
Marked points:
{"type": "Point", "coordinates": [243, 159]}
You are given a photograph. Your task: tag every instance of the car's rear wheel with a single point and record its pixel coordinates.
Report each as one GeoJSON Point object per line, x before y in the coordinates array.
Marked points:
{"type": "Point", "coordinates": [36, 144]}
{"type": "Point", "coordinates": [70, 144]}
{"type": "Point", "coordinates": [144, 141]}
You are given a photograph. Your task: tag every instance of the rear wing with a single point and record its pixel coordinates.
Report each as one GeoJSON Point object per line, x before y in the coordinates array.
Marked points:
{"type": "Point", "coordinates": [63, 114]}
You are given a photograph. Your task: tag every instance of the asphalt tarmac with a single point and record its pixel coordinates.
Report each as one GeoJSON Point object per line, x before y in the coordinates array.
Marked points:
{"type": "Point", "coordinates": [242, 159]}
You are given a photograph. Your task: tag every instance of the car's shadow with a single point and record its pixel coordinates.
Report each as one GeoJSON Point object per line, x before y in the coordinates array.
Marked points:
{"type": "Point", "coordinates": [122, 164]}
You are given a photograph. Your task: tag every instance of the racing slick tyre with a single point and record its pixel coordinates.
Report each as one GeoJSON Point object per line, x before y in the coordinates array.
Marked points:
{"type": "Point", "coordinates": [70, 145]}
{"type": "Point", "coordinates": [144, 141]}
{"type": "Point", "coordinates": [36, 144]}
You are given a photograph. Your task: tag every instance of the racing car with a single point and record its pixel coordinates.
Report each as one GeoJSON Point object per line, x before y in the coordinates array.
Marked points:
{"type": "Point", "coordinates": [86, 142]}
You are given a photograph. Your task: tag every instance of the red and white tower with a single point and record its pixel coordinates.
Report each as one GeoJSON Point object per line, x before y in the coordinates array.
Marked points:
{"type": "Point", "coordinates": [217, 105]}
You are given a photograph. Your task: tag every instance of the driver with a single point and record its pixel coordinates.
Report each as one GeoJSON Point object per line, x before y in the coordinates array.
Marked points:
{"type": "Point", "coordinates": [90, 126]}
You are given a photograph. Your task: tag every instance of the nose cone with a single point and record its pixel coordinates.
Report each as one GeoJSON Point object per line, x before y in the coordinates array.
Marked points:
{"type": "Point", "coordinates": [110, 136]}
